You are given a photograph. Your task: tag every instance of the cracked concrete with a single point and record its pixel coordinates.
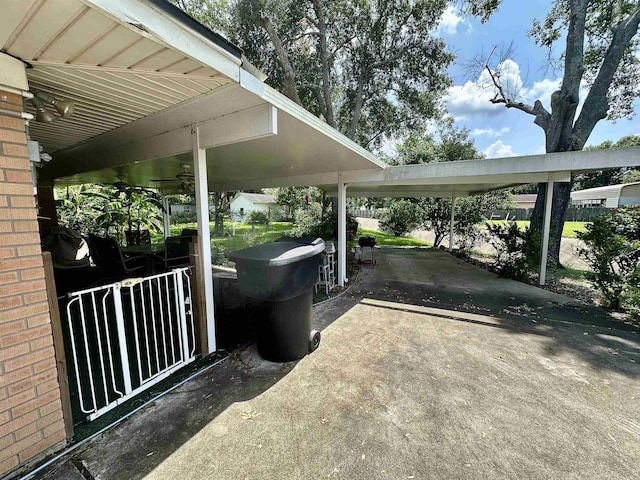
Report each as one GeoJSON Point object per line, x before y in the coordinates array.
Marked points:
{"type": "Point", "coordinates": [428, 368]}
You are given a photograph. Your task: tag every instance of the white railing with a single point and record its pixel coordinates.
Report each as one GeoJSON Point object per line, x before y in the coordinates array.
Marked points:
{"type": "Point", "coordinates": [126, 336]}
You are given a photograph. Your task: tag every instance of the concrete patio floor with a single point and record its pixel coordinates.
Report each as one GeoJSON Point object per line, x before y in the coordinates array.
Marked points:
{"type": "Point", "coordinates": [428, 368]}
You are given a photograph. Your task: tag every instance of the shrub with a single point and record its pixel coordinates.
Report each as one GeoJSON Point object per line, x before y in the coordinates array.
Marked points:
{"type": "Point", "coordinates": [509, 242]}
{"type": "Point", "coordinates": [400, 217]}
{"type": "Point", "coordinates": [613, 252]}
{"type": "Point", "coordinates": [183, 217]}
{"type": "Point", "coordinates": [256, 217]}
{"type": "Point", "coordinates": [310, 223]}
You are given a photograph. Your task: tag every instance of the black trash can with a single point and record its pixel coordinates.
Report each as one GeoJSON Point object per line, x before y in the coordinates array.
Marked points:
{"type": "Point", "coordinates": [280, 277]}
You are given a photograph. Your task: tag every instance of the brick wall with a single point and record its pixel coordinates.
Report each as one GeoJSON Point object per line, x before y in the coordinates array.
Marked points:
{"type": "Point", "coordinates": [31, 421]}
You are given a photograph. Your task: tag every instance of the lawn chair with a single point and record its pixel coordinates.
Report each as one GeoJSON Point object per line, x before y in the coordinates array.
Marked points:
{"type": "Point", "coordinates": [176, 253]}
{"type": "Point", "coordinates": [107, 255]}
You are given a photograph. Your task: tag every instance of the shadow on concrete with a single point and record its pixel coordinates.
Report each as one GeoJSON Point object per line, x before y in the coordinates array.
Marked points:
{"type": "Point", "coordinates": [432, 283]}
{"type": "Point", "coordinates": [434, 278]}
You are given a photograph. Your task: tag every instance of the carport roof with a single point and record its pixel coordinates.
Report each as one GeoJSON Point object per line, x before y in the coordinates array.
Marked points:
{"type": "Point", "coordinates": [141, 74]}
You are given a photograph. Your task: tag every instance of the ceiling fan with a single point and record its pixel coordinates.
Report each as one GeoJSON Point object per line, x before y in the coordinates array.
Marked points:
{"type": "Point", "coordinates": [122, 186]}
{"type": "Point", "coordinates": [185, 180]}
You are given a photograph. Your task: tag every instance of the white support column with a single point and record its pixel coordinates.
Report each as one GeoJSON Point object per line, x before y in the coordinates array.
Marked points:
{"type": "Point", "coordinates": [546, 227]}
{"type": "Point", "coordinates": [342, 231]}
{"type": "Point", "coordinates": [165, 216]}
{"type": "Point", "coordinates": [453, 209]}
{"type": "Point", "coordinates": [202, 210]}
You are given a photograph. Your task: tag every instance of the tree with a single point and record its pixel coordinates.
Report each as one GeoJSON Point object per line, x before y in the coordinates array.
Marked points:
{"type": "Point", "coordinates": [609, 176]}
{"type": "Point", "coordinates": [434, 214]}
{"type": "Point", "coordinates": [601, 45]}
{"type": "Point", "coordinates": [371, 68]}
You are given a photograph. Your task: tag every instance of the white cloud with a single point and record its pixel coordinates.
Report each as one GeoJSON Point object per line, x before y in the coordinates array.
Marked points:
{"type": "Point", "coordinates": [490, 132]}
{"type": "Point", "coordinates": [474, 98]}
{"type": "Point", "coordinates": [499, 149]}
{"type": "Point", "coordinates": [450, 21]}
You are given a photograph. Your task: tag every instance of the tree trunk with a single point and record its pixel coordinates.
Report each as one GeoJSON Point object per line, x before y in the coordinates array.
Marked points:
{"type": "Point", "coordinates": [561, 200]}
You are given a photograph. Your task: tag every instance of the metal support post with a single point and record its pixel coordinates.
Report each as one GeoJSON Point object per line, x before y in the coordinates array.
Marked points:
{"type": "Point", "coordinates": [342, 231]}
{"type": "Point", "coordinates": [204, 232]}
{"type": "Point", "coordinates": [546, 227]}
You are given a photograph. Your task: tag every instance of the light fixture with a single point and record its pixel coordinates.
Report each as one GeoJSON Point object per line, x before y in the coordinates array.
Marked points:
{"type": "Point", "coordinates": [42, 115]}
{"type": "Point", "coordinates": [64, 107]}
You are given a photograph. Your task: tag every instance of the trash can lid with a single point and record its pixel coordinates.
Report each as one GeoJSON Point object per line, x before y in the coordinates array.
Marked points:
{"type": "Point", "coordinates": [276, 254]}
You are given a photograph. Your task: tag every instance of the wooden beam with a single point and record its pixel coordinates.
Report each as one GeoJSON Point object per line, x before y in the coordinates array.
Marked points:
{"type": "Point", "coordinates": [197, 302]}
{"type": "Point", "coordinates": [58, 344]}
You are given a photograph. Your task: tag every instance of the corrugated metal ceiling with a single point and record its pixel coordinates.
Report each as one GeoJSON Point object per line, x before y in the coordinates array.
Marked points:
{"type": "Point", "coordinates": [115, 73]}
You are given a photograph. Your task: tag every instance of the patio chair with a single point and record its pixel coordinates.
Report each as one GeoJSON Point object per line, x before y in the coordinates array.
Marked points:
{"type": "Point", "coordinates": [107, 255]}
{"type": "Point", "coordinates": [137, 237]}
{"type": "Point", "coordinates": [176, 253]}
{"type": "Point", "coordinates": [189, 232]}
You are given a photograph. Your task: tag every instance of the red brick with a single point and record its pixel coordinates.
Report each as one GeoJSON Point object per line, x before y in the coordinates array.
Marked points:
{"type": "Point", "coordinates": [15, 163]}
{"type": "Point", "coordinates": [20, 239]}
{"type": "Point", "coordinates": [10, 277]}
{"type": "Point", "coordinates": [10, 302]}
{"type": "Point", "coordinates": [22, 421]}
{"type": "Point", "coordinates": [3, 393]}
{"type": "Point", "coordinates": [41, 342]}
{"type": "Point", "coordinates": [11, 327]}
{"type": "Point", "coordinates": [38, 320]}
{"type": "Point", "coordinates": [31, 274]}
{"type": "Point", "coordinates": [25, 336]}
{"type": "Point", "coordinates": [18, 400]}
{"type": "Point", "coordinates": [11, 97]}
{"type": "Point", "coordinates": [17, 188]}
{"type": "Point", "coordinates": [48, 386]}
{"type": "Point", "coordinates": [34, 404]}
{"type": "Point", "coordinates": [16, 376]}
{"type": "Point", "coordinates": [13, 136]}
{"type": "Point", "coordinates": [7, 252]}
{"type": "Point", "coordinates": [20, 263]}
{"type": "Point", "coordinates": [24, 201]}
{"type": "Point", "coordinates": [24, 312]}
{"type": "Point", "coordinates": [33, 381]}
{"type": "Point", "coordinates": [15, 213]}
{"type": "Point", "coordinates": [8, 464]}
{"type": "Point", "coordinates": [35, 297]}
{"type": "Point", "coordinates": [44, 365]}
{"type": "Point", "coordinates": [6, 441]}
{"type": "Point", "coordinates": [29, 250]}
{"type": "Point", "coordinates": [42, 446]}
{"type": "Point", "coordinates": [29, 359]}
{"type": "Point", "coordinates": [23, 444]}
{"type": "Point", "coordinates": [15, 150]}
{"type": "Point", "coordinates": [22, 287]}
{"type": "Point", "coordinates": [54, 406]}
{"type": "Point", "coordinates": [10, 106]}
{"type": "Point", "coordinates": [18, 176]}
{"type": "Point", "coordinates": [25, 226]}
{"type": "Point", "coordinates": [12, 123]}
{"type": "Point", "coordinates": [15, 351]}
{"type": "Point", "coordinates": [4, 418]}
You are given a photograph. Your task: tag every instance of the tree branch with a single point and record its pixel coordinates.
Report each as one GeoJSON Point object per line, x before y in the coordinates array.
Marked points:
{"type": "Point", "coordinates": [596, 106]}
{"type": "Point", "coordinates": [326, 66]}
{"type": "Point", "coordinates": [290, 87]}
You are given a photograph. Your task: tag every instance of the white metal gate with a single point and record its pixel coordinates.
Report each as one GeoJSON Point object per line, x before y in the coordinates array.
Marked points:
{"type": "Point", "coordinates": [126, 336]}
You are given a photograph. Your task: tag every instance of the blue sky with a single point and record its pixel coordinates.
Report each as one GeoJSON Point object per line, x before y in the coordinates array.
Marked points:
{"type": "Point", "coordinates": [498, 131]}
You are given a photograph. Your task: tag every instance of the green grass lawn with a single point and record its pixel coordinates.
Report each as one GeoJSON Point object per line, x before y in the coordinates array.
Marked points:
{"type": "Point", "coordinates": [387, 239]}
{"type": "Point", "coordinates": [569, 230]}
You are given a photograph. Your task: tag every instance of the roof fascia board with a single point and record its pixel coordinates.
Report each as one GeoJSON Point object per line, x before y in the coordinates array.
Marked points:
{"type": "Point", "coordinates": [148, 20]}
{"type": "Point", "coordinates": [288, 106]}
{"type": "Point", "coordinates": [531, 164]}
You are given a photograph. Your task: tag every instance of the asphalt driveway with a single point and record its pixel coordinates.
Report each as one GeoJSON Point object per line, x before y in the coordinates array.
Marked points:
{"type": "Point", "coordinates": [428, 368]}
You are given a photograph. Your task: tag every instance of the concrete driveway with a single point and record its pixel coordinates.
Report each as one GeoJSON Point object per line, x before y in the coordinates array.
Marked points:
{"type": "Point", "coordinates": [428, 368]}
